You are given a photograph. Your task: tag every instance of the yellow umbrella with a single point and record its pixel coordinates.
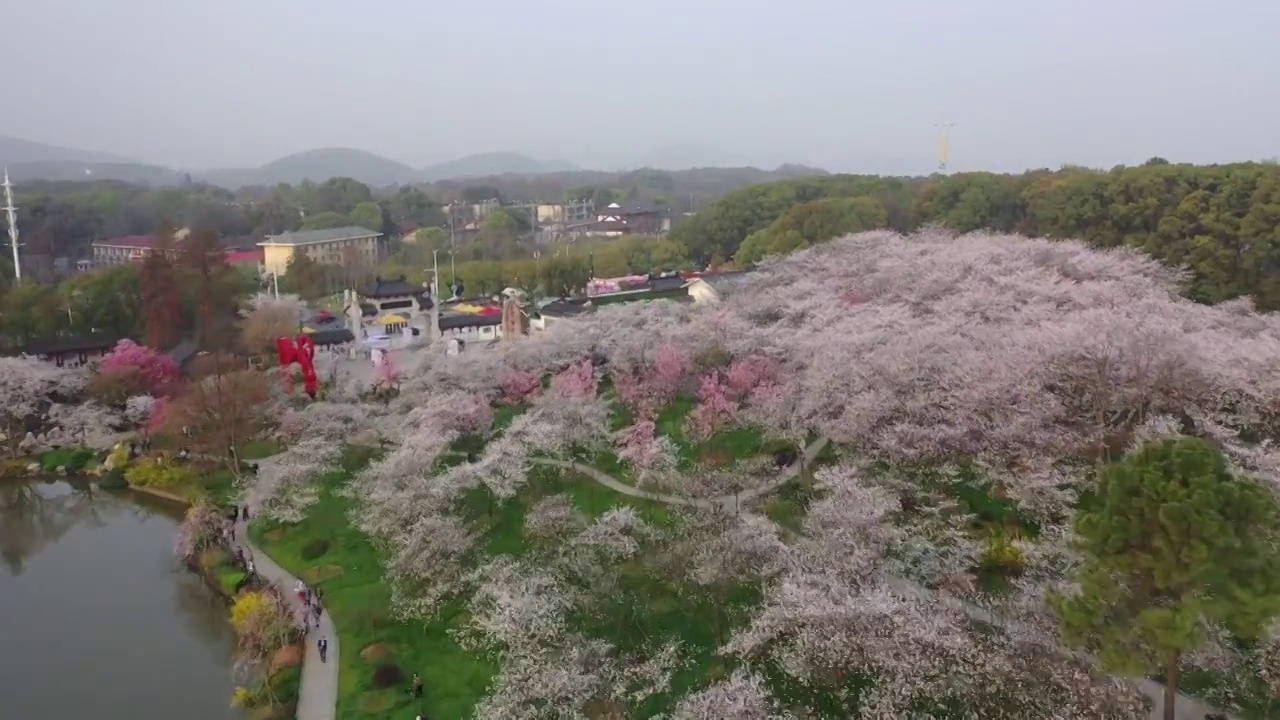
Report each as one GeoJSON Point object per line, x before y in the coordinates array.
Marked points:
{"type": "Point", "coordinates": [308, 330]}
{"type": "Point", "coordinates": [393, 320]}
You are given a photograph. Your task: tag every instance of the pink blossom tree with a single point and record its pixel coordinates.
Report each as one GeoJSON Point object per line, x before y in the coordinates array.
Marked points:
{"type": "Point", "coordinates": [133, 369]}
{"type": "Point", "coordinates": [651, 456]}
{"type": "Point", "coordinates": [716, 408]}
{"type": "Point", "coordinates": [654, 381]}
{"type": "Point", "coordinates": [519, 386]}
{"type": "Point", "coordinates": [577, 380]}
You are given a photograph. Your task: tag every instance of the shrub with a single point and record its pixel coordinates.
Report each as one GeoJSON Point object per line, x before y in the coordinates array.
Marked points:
{"type": "Point", "coordinates": [387, 675]}
{"type": "Point", "coordinates": [113, 480]}
{"type": "Point", "coordinates": [11, 469]}
{"type": "Point", "coordinates": [72, 458]}
{"type": "Point", "coordinates": [1003, 554]}
{"type": "Point", "coordinates": [314, 548]}
{"type": "Point", "coordinates": [158, 473]}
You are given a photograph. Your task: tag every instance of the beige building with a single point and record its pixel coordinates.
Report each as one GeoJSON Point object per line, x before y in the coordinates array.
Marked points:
{"type": "Point", "coordinates": [337, 246]}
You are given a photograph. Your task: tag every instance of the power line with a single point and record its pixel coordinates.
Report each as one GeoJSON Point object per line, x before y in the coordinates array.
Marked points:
{"type": "Point", "coordinates": [12, 213]}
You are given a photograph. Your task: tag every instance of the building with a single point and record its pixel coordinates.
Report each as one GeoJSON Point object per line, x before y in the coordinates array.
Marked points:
{"type": "Point", "coordinates": [121, 250]}
{"type": "Point", "coordinates": [133, 248]}
{"type": "Point", "coordinates": [251, 261]}
{"type": "Point", "coordinates": [337, 246]}
{"type": "Point", "coordinates": [713, 287]}
{"type": "Point", "coordinates": [392, 304]}
{"type": "Point", "coordinates": [70, 350]}
{"type": "Point", "coordinates": [630, 217]}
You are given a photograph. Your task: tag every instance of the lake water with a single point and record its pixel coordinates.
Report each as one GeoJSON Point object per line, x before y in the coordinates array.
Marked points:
{"type": "Point", "coordinates": [98, 620]}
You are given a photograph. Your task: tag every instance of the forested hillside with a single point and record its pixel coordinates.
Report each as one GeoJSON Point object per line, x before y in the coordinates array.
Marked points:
{"type": "Point", "coordinates": [1222, 222]}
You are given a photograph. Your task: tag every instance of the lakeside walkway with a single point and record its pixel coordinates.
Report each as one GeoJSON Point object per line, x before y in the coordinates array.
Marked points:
{"type": "Point", "coordinates": [318, 693]}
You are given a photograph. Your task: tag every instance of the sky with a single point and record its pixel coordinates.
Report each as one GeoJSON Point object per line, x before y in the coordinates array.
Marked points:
{"type": "Point", "coordinates": [849, 86]}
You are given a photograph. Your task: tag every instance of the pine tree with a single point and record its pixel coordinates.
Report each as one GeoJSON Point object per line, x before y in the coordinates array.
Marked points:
{"type": "Point", "coordinates": [1175, 541]}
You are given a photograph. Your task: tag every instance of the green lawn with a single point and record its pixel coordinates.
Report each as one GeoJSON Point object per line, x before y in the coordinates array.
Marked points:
{"type": "Point", "coordinates": [258, 449]}
{"type": "Point", "coordinates": [359, 601]}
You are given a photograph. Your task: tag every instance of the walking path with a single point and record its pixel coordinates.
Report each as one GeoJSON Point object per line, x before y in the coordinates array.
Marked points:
{"type": "Point", "coordinates": [730, 501]}
{"type": "Point", "coordinates": [318, 694]}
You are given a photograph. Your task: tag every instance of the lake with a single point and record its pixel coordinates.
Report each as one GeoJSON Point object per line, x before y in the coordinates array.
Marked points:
{"type": "Point", "coordinates": [100, 620]}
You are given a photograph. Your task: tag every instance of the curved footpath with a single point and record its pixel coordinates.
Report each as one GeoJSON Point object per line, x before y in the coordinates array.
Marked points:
{"type": "Point", "coordinates": [318, 693]}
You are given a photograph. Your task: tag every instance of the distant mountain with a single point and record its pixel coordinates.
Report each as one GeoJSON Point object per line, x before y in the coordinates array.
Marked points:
{"type": "Point", "coordinates": [315, 165]}
{"type": "Point", "coordinates": [687, 157]}
{"type": "Point", "coordinates": [492, 163]}
{"type": "Point", "coordinates": [29, 160]}
{"type": "Point", "coordinates": [16, 150]}
{"type": "Point", "coordinates": [73, 170]}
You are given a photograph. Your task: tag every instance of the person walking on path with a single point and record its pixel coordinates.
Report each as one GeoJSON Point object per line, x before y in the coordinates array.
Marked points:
{"type": "Point", "coordinates": [302, 592]}
{"type": "Point", "coordinates": [323, 646]}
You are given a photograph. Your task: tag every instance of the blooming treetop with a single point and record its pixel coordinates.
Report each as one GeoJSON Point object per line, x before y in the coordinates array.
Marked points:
{"type": "Point", "coordinates": [835, 610]}
{"type": "Point", "coordinates": [27, 388]}
{"type": "Point", "coordinates": [141, 368]}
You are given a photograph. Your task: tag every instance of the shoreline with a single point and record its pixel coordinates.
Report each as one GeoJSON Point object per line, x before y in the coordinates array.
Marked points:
{"type": "Point", "coordinates": [161, 495]}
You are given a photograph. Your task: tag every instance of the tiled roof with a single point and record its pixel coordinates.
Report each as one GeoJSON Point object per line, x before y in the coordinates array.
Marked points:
{"type": "Point", "coordinates": [78, 343]}
{"type": "Point", "coordinates": [453, 322]}
{"type": "Point", "coordinates": [309, 237]}
{"type": "Point", "coordinates": [128, 241]}
{"type": "Point", "coordinates": [384, 287]}
{"type": "Point", "coordinates": [236, 257]}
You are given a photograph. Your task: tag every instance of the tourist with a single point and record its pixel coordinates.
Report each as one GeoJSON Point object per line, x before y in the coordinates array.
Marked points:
{"type": "Point", "coordinates": [235, 513]}
{"type": "Point", "coordinates": [184, 454]}
{"type": "Point", "coordinates": [318, 611]}
{"type": "Point", "coordinates": [250, 567]}
{"type": "Point", "coordinates": [302, 592]}
{"type": "Point", "coordinates": [323, 646]}
{"type": "Point", "coordinates": [417, 687]}
{"type": "Point", "coordinates": [240, 555]}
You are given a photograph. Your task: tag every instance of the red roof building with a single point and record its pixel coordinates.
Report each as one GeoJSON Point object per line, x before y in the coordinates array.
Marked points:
{"type": "Point", "coordinates": [120, 250]}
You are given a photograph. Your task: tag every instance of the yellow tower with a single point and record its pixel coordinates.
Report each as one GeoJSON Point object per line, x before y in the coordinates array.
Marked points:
{"type": "Point", "coordinates": [944, 147]}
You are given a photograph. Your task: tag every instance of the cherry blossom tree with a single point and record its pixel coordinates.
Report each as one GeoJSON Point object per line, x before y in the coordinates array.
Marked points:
{"type": "Point", "coordinates": [87, 423]}
{"type": "Point", "coordinates": [27, 388]}
{"type": "Point", "coordinates": [834, 612]}
{"type": "Point", "coordinates": [744, 696]}
{"type": "Point", "coordinates": [203, 527]}
{"type": "Point", "coordinates": [270, 318]}
{"type": "Point", "coordinates": [287, 485]}
{"type": "Point", "coordinates": [139, 408]}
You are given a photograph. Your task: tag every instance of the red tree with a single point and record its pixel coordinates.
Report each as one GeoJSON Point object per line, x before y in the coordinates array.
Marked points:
{"type": "Point", "coordinates": [161, 298]}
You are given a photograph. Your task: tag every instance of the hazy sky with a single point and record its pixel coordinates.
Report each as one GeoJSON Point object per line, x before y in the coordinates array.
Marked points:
{"type": "Point", "coordinates": [845, 85]}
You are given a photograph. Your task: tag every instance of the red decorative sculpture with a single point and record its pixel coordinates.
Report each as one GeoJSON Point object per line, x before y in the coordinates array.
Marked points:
{"type": "Point", "coordinates": [302, 352]}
